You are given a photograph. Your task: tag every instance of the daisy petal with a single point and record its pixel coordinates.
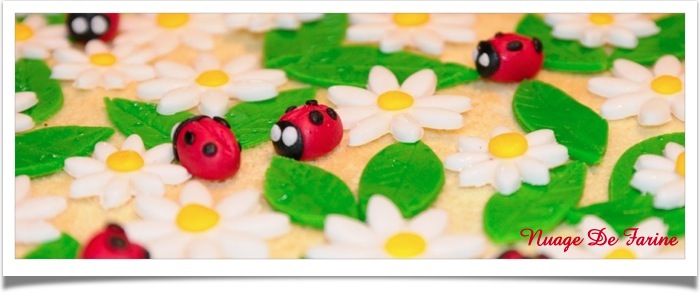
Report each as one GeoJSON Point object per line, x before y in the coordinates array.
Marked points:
{"type": "Point", "coordinates": [25, 100]}
{"type": "Point", "coordinates": [70, 55]}
{"type": "Point", "coordinates": [40, 207]}
{"type": "Point", "coordinates": [197, 41]}
{"type": "Point", "coordinates": [568, 30]}
{"type": "Point", "coordinates": [430, 224]}
{"type": "Point", "coordinates": [393, 40]}
{"type": "Point", "coordinates": [144, 231]}
{"type": "Point", "coordinates": [83, 166]}
{"type": "Point", "coordinates": [178, 100]}
{"type": "Point", "coordinates": [144, 183]}
{"type": "Point", "coordinates": [670, 196]}
{"type": "Point", "coordinates": [239, 203]}
{"type": "Point", "coordinates": [160, 154]}
{"type": "Point", "coordinates": [202, 249]}
{"type": "Point", "coordinates": [34, 232]}
{"type": "Point", "coordinates": [164, 43]}
{"type": "Point", "coordinates": [205, 62]}
{"type": "Point", "coordinates": [654, 162]}
{"type": "Point", "coordinates": [242, 64]}
{"type": "Point", "coordinates": [96, 46]}
{"type": "Point", "coordinates": [622, 38]}
{"type": "Point", "coordinates": [540, 137]}
{"type": "Point", "coordinates": [103, 150]}
{"type": "Point", "coordinates": [461, 246]}
{"type": "Point", "coordinates": [168, 173]}
{"type": "Point", "coordinates": [420, 84]}
{"type": "Point", "coordinates": [174, 70]}
{"type": "Point", "coordinates": [655, 112]}
{"type": "Point", "coordinates": [369, 129]}
{"type": "Point", "coordinates": [155, 89]}
{"type": "Point", "coordinates": [113, 80]}
{"type": "Point", "coordinates": [343, 230]}
{"type": "Point", "coordinates": [138, 72]}
{"type": "Point", "coordinates": [91, 185]}
{"type": "Point", "coordinates": [366, 32]}
{"type": "Point", "coordinates": [240, 246]}
{"type": "Point", "coordinates": [157, 208]}
{"type": "Point", "coordinates": [460, 161]}
{"type": "Point", "coordinates": [350, 116]}
{"type": "Point", "coordinates": [533, 171]}
{"type": "Point", "coordinates": [87, 79]}
{"type": "Point", "coordinates": [342, 252]}
{"type": "Point", "coordinates": [252, 90]}
{"type": "Point", "coordinates": [351, 96]}
{"type": "Point", "coordinates": [194, 192]}
{"type": "Point", "coordinates": [479, 174]}
{"type": "Point", "coordinates": [382, 80]}
{"type": "Point", "coordinates": [611, 86]}
{"type": "Point", "coordinates": [438, 118]}
{"type": "Point", "coordinates": [508, 179]}
{"type": "Point", "coordinates": [551, 154]}
{"type": "Point", "coordinates": [23, 122]}
{"type": "Point", "coordinates": [625, 105]}
{"type": "Point", "coordinates": [213, 103]}
{"type": "Point", "coordinates": [134, 143]}
{"type": "Point", "coordinates": [116, 193]}
{"type": "Point", "coordinates": [172, 246]}
{"type": "Point", "coordinates": [429, 41]}
{"type": "Point", "coordinates": [22, 186]}
{"type": "Point", "coordinates": [648, 228]}
{"type": "Point", "coordinates": [454, 103]}
{"type": "Point", "coordinates": [67, 71]}
{"type": "Point", "coordinates": [650, 181]}
{"type": "Point", "coordinates": [678, 107]}
{"type": "Point", "coordinates": [632, 71]}
{"type": "Point", "coordinates": [668, 65]}
{"type": "Point", "coordinates": [640, 27]}
{"type": "Point", "coordinates": [406, 129]}
{"type": "Point", "coordinates": [455, 33]}
{"type": "Point", "coordinates": [672, 150]}
{"type": "Point", "coordinates": [383, 217]}
{"type": "Point", "coordinates": [265, 225]}
{"type": "Point", "coordinates": [472, 144]}
{"type": "Point", "coordinates": [275, 77]}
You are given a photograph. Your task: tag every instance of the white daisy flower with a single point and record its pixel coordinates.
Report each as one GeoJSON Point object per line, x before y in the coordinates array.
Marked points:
{"type": "Point", "coordinates": [402, 110]}
{"type": "Point", "coordinates": [507, 159]}
{"type": "Point", "coordinates": [387, 235]}
{"type": "Point", "coordinates": [166, 31]}
{"type": "Point", "coordinates": [180, 87]}
{"type": "Point", "coordinates": [31, 214]}
{"type": "Point", "coordinates": [116, 175]}
{"type": "Point", "coordinates": [35, 39]}
{"type": "Point", "coordinates": [102, 66]}
{"type": "Point", "coordinates": [196, 228]}
{"type": "Point", "coordinates": [652, 95]}
{"type": "Point", "coordinates": [263, 22]}
{"type": "Point", "coordinates": [598, 29]}
{"type": "Point", "coordinates": [662, 176]}
{"type": "Point", "coordinates": [427, 32]}
{"type": "Point", "coordinates": [24, 101]}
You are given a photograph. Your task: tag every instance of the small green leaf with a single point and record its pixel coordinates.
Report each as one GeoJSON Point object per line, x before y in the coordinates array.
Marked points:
{"type": "Point", "coordinates": [283, 47]}
{"type": "Point", "coordinates": [538, 105]}
{"type": "Point", "coordinates": [306, 193]}
{"type": "Point", "coordinates": [34, 75]}
{"type": "Point", "coordinates": [535, 207]}
{"type": "Point", "coordinates": [252, 121]}
{"type": "Point", "coordinates": [671, 40]}
{"type": "Point", "coordinates": [66, 247]}
{"type": "Point", "coordinates": [43, 151]}
{"type": "Point", "coordinates": [351, 65]}
{"type": "Point", "coordinates": [55, 18]}
{"type": "Point", "coordinates": [131, 117]}
{"type": "Point", "coordinates": [410, 175]}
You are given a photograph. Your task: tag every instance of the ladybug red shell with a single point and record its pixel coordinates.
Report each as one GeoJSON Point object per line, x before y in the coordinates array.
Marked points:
{"type": "Point", "coordinates": [509, 57]}
{"type": "Point", "coordinates": [207, 148]}
{"type": "Point", "coordinates": [307, 132]}
{"type": "Point", "coordinates": [512, 254]}
{"type": "Point", "coordinates": [83, 27]}
{"type": "Point", "coordinates": [112, 243]}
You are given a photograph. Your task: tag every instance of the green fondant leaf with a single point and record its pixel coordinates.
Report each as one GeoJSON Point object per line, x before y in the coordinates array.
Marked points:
{"type": "Point", "coordinates": [283, 47]}
{"type": "Point", "coordinates": [411, 175]}
{"type": "Point", "coordinates": [351, 65]}
{"type": "Point", "coordinates": [535, 207]}
{"type": "Point", "coordinates": [43, 151]}
{"type": "Point", "coordinates": [538, 105]}
{"type": "Point", "coordinates": [66, 247]}
{"type": "Point", "coordinates": [671, 40]}
{"type": "Point", "coordinates": [306, 193]}
{"type": "Point", "coordinates": [252, 121]}
{"type": "Point", "coordinates": [55, 18]}
{"type": "Point", "coordinates": [34, 75]}
{"type": "Point", "coordinates": [131, 117]}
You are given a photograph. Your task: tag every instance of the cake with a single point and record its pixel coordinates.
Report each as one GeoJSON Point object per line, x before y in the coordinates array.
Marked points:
{"type": "Point", "coordinates": [452, 147]}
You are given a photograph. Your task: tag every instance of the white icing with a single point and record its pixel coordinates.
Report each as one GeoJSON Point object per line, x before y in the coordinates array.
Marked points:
{"type": "Point", "coordinates": [32, 214]}
{"type": "Point", "coordinates": [99, 24]}
{"type": "Point", "coordinates": [484, 60]}
{"type": "Point", "coordinates": [622, 32]}
{"type": "Point", "coordinates": [289, 136]}
{"type": "Point", "coordinates": [263, 22]}
{"type": "Point", "coordinates": [275, 133]}
{"type": "Point", "coordinates": [24, 101]}
{"type": "Point", "coordinates": [45, 38]}
{"type": "Point", "coordinates": [657, 176]}
{"type": "Point", "coordinates": [79, 25]}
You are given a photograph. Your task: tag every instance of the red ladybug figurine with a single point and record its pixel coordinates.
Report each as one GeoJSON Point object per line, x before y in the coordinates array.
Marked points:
{"type": "Point", "coordinates": [112, 243]}
{"type": "Point", "coordinates": [83, 27]}
{"type": "Point", "coordinates": [307, 132]}
{"type": "Point", "coordinates": [207, 148]}
{"type": "Point", "coordinates": [512, 254]}
{"type": "Point", "coordinates": [509, 57]}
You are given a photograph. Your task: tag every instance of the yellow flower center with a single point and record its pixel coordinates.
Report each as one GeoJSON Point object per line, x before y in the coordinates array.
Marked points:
{"type": "Point", "coordinates": [213, 78]}
{"type": "Point", "coordinates": [196, 218]}
{"type": "Point", "coordinates": [405, 245]}
{"type": "Point", "coordinates": [508, 145]}
{"type": "Point", "coordinates": [103, 59]}
{"type": "Point", "coordinates": [601, 18]}
{"type": "Point", "coordinates": [23, 32]}
{"type": "Point", "coordinates": [172, 20]}
{"type": "Point", "coordinates": [680, 164]}
{"type": "Point", "coordinates": [411, 19]}
{"type": "Point", "coordinates": [666, 84]}
{"type": "Point", "coordinates": [394, 100]}
{"type": "Point", "coordinates": [621, 253]}
{"type": "Point", "coordinates": [125, 161]}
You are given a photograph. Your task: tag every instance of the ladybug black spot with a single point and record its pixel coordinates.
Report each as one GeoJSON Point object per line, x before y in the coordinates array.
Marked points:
{"type": "Point", "coordinates": [240, 147]}
{"type": "Point", "coordinates": [117, 242]}
{"type": "Point", "coordinates": [537, 44]}
{"type": "Point", "coordinates": [189, 138]}
{"type": "Point", "coordinates": [498, 34]}
{"type": "Point", "coordinates": [222, 121]}
{"type": "Point", "coordinates": [332, 113]}
{"type": "Point", "coordinates": [312, 102]}
{"type": "Point", "coordinates": [146, 254]}
{"type": "Point", "coordinates": [289, 109]}
{"type": "Point", "coordinates": [209, 149]}
{"type": "Point", "coordinates": [514, 45]}
{"type": "Point", "coordinates": [316, 117]}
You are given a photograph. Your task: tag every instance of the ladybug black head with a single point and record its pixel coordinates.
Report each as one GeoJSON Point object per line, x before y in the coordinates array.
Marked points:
{"type": "Point", "coordinates": [287, 140]}
{"type": "Point", "coordinates": [84, 27]}
{"type": "Point", "coordinates": [486, 59]}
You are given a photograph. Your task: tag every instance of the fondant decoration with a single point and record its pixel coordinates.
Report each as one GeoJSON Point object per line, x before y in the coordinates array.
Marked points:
{"type": "Point", "coordinates": [42, 152]}
{"type": "Point", "coordinates": [385, 106]}
{"type": "Point", "coordinates": [35, 39]}
{"type": "Point", "coordinates": [306, 193]}
{"type": "Point", "coordinates": [388, 235]}
{"type": "Point", "coordinates": [410, 175]}
{"type": "Point", "coordinates": [103, 66]}
{"type": "Point", "coordinates": [24, 101]}
{"type": "Point", "coordinates": [51, 18]}
{"type": "Point", "coordinates": [114, 175]}
{"type": "Point", "coordinates": [307, 132]}
{"type": "Point", "coordinates": [166, 31]}
{"type": "Point", "coordinates": [252, 121]}
{"type": "Point", "coordinates": [263, 22]}
{"type": "Point", "coordinates": [535, 207]}
{"type": "Point", "coordinates": [209, 85]}
{"type": "Point", "coordinates": [132, 117]}
{"type": "Point", "coordinates": [538, 105]}
{"type": "Point", "coordinates": [207, 147]}
{"type": "Point", "coordinates": [65, 247]}
{"type": "Point", "coordinates": [509, 57]}
{"type": "Point", "coordinates": [33, 76]}
{"type": "Point", "coordinates": [32, 213]}
{"type": "Point", "coordinates": [652, 95]}
{"type": "Point", "coordinates": [282, 47]}
{"type": "Point", "coordinates": [112, 243]}
{"type": "Point", "coordinates": [83, 27]}
{"type": "Point", "coordinates": [424, 31]}
{"type": "Point", "coordinates": [512, 254]}
{"type": "Point", "coordinates": [662, 176]}
{"type": "Point", "coordinates": [507, 159]}
{"type": "Point", "coordinates": [598, 29]}
{"type": "Point", "coordinates": [671, 40]}
{"type": "Point", "coordinates": [198, 227]}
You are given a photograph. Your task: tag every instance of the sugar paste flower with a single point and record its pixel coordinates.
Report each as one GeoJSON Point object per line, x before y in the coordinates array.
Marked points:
{"type": "Point", "coordinates": [35, 39]}
{"type": "Point", "coordinates": [116, 175]}
{"type": "Point", "coordinates": [102, 66]}
{"type": "Point", "coordinates": [24, 101]}
{"type": "Point", "coordinates": [662, 176]}
{"type": "Point", "coordinates": [652, 95]}
{"type": "Point", "coordinates": [507, 159]}
{"type": "Point", "coordinates": [598, 29]}
{"type": "Point", "coordinates": [166, 31]}
{"type": "Point", "coordinates": [387, 235]}
{"type": "Point", "coordinates": [197, 228]}
{"type": "Point", "coordinates": [263, 22]}
{"type": "Point", "coordinates": [402, 110]}
{"type": "Point", "coordinates": [31, 214]}
{"type": "Point", "coordinates": [427, 32]}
